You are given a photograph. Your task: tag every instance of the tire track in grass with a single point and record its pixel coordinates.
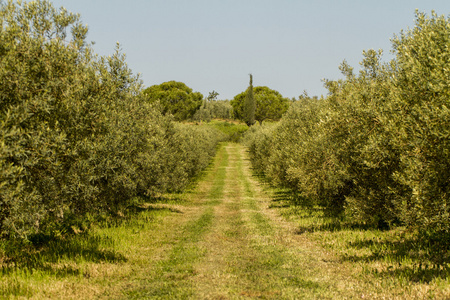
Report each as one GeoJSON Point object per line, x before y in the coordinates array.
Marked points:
{"type": "Point", "coordinates": [171, 276]}
{"type": "Point", "coordinates": [280, 275]}
{"type": "Point", "coordinates": [250, 254]}
{"type": "Point", "coordinates": [302, 269]}
{"type": "Point", "coordinates": [242, 259]}
{"type": "Point", "coordinates": [233, 247]}
{"type": "Point", "coordinates": [221, 242]}
{"type": "Point", "coordinates": [225, 243]}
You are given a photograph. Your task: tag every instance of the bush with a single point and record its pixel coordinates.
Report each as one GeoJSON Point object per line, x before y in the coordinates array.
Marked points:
{"type": "Point", "coordinates": [258, 140]}
{"type": "Point", "coordinates": [40, 80]}
{"type": "Point", "coordinates": [233, 131]}
{"type": "Point", "coordinates": [362, 150]}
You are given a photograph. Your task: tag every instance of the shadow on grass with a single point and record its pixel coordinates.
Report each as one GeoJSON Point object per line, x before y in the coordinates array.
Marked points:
{"type": "Point", "coordinates": [172, 198]}
{"type": "Point", "coordinates": [418, 273]}
{"type": "Point", "coordinates": [58, 257]}
{"type": "Point", "coordinates": [136, 209]}
{"type": "Point", "coordinates": [410, 258]}
{"type": "Point", "coordinates": [63, 255]}
{"type": "Point", "coordinates": [332, 227]}
{"type": "Point", "coordinates": [303, 207]}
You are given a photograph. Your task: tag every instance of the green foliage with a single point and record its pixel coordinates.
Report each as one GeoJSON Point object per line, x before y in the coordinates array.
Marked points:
{"type": "Point", "coordinates": [258, 140]}
{"type": "Point", "coordinates": [249, 105]}
{"type": "Point", "coordinates": [420, 104]}
{"type": "Point", "coordinates": [212, 96]}
{"type": "Point", "coordinates": [376, 150]}
{"type": "Point", "coordinates": [270, 104]}
{"type": "Point", "coordinates": [215, 109]}
{"type": "Point", "coordinates": [193, 155]}
{"type": "Point", "coordinates": [40, 78]}
{"type": "Point", "coordinates": [363, 153]}
{"type": "Point", "coordinates": [77, 135]}
{"type": "Point", "coordinates": [295, 153]}
{"type": "Point", "coordinates": [233, 131]}
{"type": "Point", "coordinates": [175, 98]}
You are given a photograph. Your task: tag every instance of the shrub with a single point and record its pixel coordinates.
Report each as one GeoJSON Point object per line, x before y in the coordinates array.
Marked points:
{"type": "Point", "coordinates": [40, 78]}
{"type": "Point", "coordinates": [258, 140]}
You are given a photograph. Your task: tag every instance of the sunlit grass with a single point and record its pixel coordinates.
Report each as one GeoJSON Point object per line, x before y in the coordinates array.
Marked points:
{"type": "Point", "coordinates": [87, 262]}
{"type": "Point", "coordinates": [234, 129]}
{"type": "Point", "coordinates": [395, 260]}
{"type": "Point", "coordinates": [224, 239]}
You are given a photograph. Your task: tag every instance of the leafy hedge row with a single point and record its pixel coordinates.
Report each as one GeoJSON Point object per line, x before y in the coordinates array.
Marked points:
{"type": "Point", "coordinates": [214, 109]}
{"type": "Point", "coordinates": [377, 148]}
{"type": "Point", "coordinates": [76, 133]}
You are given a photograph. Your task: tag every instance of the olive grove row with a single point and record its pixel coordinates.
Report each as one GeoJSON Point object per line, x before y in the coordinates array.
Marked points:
{"type": "Point", "coordinates": [77, 134]}
{"type": "Point", "coordinates": [377, 148]}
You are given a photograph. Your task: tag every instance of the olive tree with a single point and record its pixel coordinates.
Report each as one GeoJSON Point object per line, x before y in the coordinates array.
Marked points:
{"type": "Point", "coordinates": [43, 58]}
{"type": "Point", "coordinates": [420, 117]}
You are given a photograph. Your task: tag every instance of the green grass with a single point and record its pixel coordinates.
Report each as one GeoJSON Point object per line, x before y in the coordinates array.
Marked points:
{"type": "Point", "coordinates": [230, 237]}
{"type": "Point", "coordinates": [170, 278]}
{"type": "Point", "coordinates": [170, 275]}
{"type": "Point", "coordinates": [394, 260]}
{"type": "Point", "coordinates": [234, 130]}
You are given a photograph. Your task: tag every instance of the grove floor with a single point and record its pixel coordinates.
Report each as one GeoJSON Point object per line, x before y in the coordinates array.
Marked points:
{"type": "Point", "coordinates": [221, 241]}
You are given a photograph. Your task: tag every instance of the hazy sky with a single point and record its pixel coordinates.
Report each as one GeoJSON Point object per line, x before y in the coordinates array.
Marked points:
{"type": "Point", "coordinates": [288, 45]}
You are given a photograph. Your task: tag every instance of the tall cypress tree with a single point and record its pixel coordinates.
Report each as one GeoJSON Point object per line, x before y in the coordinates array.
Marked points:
{"type": "Point", "coordinates": [249, 105]}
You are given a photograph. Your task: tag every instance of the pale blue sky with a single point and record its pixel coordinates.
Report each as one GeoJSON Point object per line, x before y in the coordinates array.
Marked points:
{"type": "Point", "coordinates": [288, 45]}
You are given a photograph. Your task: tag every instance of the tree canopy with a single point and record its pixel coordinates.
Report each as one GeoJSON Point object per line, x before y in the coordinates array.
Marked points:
{"type": "Point", "coordinates": [270, 104]}
{"type": "Point", "coordinates": [175, 98]}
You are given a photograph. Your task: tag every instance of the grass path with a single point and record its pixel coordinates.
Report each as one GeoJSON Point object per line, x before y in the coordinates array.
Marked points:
{"type": "Point", "coordinates": [222, 240]}
{"type": "Point", "coordinates": [232, 246]}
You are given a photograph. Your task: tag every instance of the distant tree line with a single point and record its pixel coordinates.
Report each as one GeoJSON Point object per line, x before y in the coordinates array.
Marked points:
{"type": "Point", "coordinates": [255, 104]}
